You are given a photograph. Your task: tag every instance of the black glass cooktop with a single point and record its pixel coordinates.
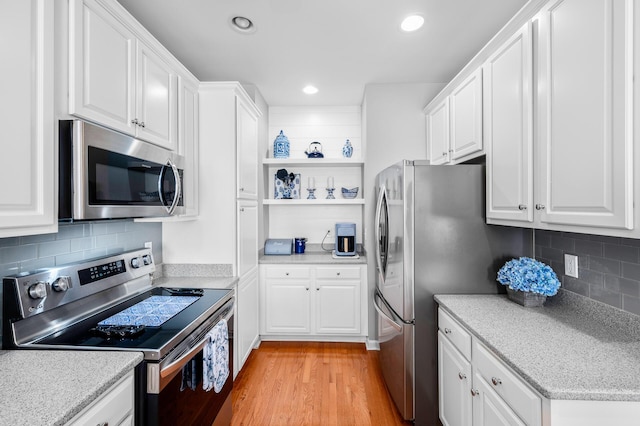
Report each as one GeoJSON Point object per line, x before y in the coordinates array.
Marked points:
{"type": "Point", "coordinates": [146, 322]}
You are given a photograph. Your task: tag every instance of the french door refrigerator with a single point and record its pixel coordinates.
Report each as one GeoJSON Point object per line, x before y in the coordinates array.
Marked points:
{"type": "Point", "coordinates": [431, 239]}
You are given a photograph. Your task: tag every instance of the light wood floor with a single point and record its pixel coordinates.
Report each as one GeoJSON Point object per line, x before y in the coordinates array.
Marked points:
{"type": "Point", "coordinates": [312, 383]}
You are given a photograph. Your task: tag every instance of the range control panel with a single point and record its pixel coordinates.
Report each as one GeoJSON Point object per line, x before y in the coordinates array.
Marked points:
{"type": "Point", "coordinates": [50, 288]}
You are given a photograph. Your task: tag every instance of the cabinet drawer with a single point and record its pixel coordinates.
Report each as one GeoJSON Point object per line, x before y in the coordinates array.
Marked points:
{"type": "Point", "coordinates": [460, 338]}
{"type": "Point", "coordinates": [284, 272]}
{"type": "Point", "coordinates": [336, 272]}
{"type": "Point", "coordinates": [522, 400]}
{"type": "Point", "coordinates": [112, 407]}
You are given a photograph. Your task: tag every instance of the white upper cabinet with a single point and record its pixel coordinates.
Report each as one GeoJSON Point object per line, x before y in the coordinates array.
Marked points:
{"type": "Point", "coordinates": [466, 117]}
{"type": "Point", "coordinates": [584, 129]}
{"type": "Point", "coordinates": [188, 142]}
{"type": "Point", "coordinates": [156, 102]}
{"type": "Point", "coordinates": [118, 80]}
{"type": "Point", "coordinates": [247, 150]}
{"type": "Point", "coordinates": [454, 124]}
{"type": "Point", "coordinates": [508, 129]}
{"type": "Point", "coordinates": [29, 167]}
{"type": "Point", "coordinates": [438, 133]}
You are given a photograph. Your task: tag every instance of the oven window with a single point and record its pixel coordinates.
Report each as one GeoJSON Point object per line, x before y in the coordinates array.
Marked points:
{"type": "Point", "coordinates": [117, 179]}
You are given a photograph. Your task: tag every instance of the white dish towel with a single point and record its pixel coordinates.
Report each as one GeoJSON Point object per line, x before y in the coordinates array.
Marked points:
{"type": "Point", "coordinates": [215, 357]}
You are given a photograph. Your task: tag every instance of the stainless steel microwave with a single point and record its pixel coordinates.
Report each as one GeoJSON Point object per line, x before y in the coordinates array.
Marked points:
{"type": "Point", "coordinates": [104, 174]}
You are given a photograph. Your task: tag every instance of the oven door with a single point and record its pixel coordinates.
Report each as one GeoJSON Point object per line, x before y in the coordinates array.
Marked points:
{"type": "Point", "coordinates": [174, 399]}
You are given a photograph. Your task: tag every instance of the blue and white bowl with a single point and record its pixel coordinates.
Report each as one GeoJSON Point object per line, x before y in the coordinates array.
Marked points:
{"type": "Point", "coordinates": [350, 193]}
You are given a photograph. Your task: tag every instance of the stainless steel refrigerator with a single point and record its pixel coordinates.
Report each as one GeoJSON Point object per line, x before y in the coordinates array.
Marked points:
{"type": "Point", "coordinates": [431, 239]}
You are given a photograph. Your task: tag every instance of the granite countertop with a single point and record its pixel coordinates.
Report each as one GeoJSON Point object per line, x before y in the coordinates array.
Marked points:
{"type": "Point", "coordinates": [51, 387]}
{"type": "Point", "coordinates": [197, 282]}
{"type": "Point", "coordinates": [572, 348]}
{"type": "Point", "coordinates": [312, 255]}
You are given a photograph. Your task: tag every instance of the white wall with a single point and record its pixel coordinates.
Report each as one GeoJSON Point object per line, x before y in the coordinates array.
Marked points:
{"type": "Point", "coordinates": [393, 130]}
{"type": "Point", "coordinates": [330, 126]}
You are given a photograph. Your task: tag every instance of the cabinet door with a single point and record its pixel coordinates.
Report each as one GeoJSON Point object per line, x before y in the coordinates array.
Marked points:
{"type": "Point", "coordinates": [247, 236]}
{"type": "Point", "coordinates": [156, 101]}
{"type": "Point", "coordinates": [489, 409]}
{"type": "Point", "coordinates": [247, 152]}
{"type": "Point", "coordinates": [438, 133]}
{"type": "Point", "coordinates": [102, 67]}
{"type": "Point", "coordinates": [585, 113]}
{"type": "Point", "coordinates": [247, 315]}
{"type": "Point", "coordinates": [466, 117]}
{"type": "Point", "coordinates": [508, 129]}
{"type": "Point", "coordinates": [188, 142]}
{"type": "Point", "coordinates": [337, 306]}
{"type": "Point", "coordinates": [28, 172]}
{"type": "Point", "coordinates": [287, 306]}
{"type": "Point", "coordinates": [454, 385]}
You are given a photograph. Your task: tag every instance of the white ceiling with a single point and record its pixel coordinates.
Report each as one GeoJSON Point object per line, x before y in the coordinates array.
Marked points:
{"type": "Point", "coordinates": [340, 46]}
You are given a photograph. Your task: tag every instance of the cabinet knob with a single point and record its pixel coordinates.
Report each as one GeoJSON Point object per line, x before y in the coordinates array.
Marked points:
{"type": "Point", "coordinates": [447, 330]}
{"type": "Point", "coordinates": [241, 189]}
{"type": "Point", "coordinates": [539, 206]}
{"type": "Point", "coordinates": [522, 207]}
{"type": "Point", "coordinates": [142, 124]}
{"type": "Point", "coordinates": [286, 273]}
{"type": "Point", "coordinates": [496, 381]}
{"type": "Point", "coordinates": [317, 288]}
{"type": "Point", "coordinates": [306, 288]}
{"type": "Point", "coordinates": [474, 392]}
{"type": "Point", "coordinates": [134, 121]}
{"type": "Point", "coordinates": [451, 150]}
{"type": "Point", "coordinates": [462, 376]}
{"type": "Point", "coordinates": [338, 273]}
{"type": "Point", "coordinates": [444, 154]}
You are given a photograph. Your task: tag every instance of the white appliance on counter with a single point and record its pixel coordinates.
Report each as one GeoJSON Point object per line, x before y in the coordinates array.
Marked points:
{"type": "Point", "coordinates": [431, 239]}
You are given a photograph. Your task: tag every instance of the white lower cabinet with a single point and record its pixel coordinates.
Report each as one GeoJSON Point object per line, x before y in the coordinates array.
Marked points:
{"type": "Point", "coordinates": [476, 388]}
{"type": "Point", "coordinates": [114, 407]}
{"type": "Point", "coordinates": [247, 316]}
{"type": "Point", "coordinates": [309, 301]}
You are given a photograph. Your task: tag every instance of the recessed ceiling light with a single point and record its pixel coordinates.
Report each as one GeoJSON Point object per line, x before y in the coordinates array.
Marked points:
{"type": "Point", "coordinates": [242, 24]}
{"type": "Point", "coordinates": [412, 23]}
{"type": "Point", "coordinates": [310, 90]}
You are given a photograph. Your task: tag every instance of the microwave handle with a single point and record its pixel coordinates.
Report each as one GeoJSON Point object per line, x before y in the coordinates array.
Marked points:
{"type": "Point", "coordinates": [176, 174]}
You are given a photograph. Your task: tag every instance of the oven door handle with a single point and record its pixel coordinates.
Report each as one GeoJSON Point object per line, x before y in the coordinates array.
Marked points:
{"type": "Point", "coordinates": [180, 362]}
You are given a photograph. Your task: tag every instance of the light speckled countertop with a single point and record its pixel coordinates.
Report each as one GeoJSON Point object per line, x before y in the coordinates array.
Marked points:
{"type": "Point", "coordinates": [197, 282]}
{"type": "Point", "coordinates": [572, 348]}
{"type": "Point", "coordinates": [50, 387]}
{"type": "Point", "coordinates": [312, 255]}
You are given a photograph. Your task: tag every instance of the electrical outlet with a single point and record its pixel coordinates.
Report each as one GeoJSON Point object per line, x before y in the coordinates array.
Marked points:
{"type": "Point", "coordinates": [571, 265]}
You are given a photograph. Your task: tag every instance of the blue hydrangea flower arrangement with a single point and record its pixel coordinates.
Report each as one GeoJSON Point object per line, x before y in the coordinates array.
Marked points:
{"type": "Point", "coordinates": [526, 274]}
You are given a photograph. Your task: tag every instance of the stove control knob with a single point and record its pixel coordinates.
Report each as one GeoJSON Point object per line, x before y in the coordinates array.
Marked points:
{"type": "Point", "coordinates": [61, 284]}
{"type": "Point", "coordinates": [146, 259]}
{"type": "Point", "coordinates": [135, 263]}
{"type": "Point", "coordinates": [38, 290]}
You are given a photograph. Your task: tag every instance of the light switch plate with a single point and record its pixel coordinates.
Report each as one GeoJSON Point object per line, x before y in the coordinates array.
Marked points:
{"type": "Point", "coordinates": [571, 265]}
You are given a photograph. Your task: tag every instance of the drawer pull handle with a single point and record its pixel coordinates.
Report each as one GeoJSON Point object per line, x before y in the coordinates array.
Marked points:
{"type": "Point", "coordinates": [496, 381]}
{"type": "Point", "coordinates": [522, 207]}
{"type": "Point", "coordinates": [103, 424]}
{"type": "Point", "coordinates": [447, 330]}
{"type": "Point", "coordinates": [462, 376]}
{"type": "Point", "coordinates": [474, 392]}
{"type": "Point", "coordinates": [539, 206]}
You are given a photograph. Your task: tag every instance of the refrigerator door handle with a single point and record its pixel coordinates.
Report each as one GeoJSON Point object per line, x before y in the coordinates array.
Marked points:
{"type": "Point", "coordinates": [381, 199]}
{"type": "Point", "coordinates": [394, 324]}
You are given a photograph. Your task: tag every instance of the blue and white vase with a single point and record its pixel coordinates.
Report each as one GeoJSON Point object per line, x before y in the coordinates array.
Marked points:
{"type": "Point", "coordinates": [281, 146]}
{"type": "Point", "coordinates": [347, 149]}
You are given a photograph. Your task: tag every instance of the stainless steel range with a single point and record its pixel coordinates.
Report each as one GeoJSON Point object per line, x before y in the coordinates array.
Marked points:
{"type": "Point", "coordinates": [110, 304]}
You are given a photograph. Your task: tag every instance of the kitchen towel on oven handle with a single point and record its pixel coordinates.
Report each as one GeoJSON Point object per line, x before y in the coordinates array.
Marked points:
{"type": "Point", "coordinates": [216, 358]}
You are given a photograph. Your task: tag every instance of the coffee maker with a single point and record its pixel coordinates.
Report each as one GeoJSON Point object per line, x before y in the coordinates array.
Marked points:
{"type": "Point", "coordinates": [345, 239]}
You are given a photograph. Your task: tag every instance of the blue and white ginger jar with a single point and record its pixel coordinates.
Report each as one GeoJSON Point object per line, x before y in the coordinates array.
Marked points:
{"type": "Point", "coordinates": [281, 146]}
{"type": "Point", "coordinates": [347, 149]}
